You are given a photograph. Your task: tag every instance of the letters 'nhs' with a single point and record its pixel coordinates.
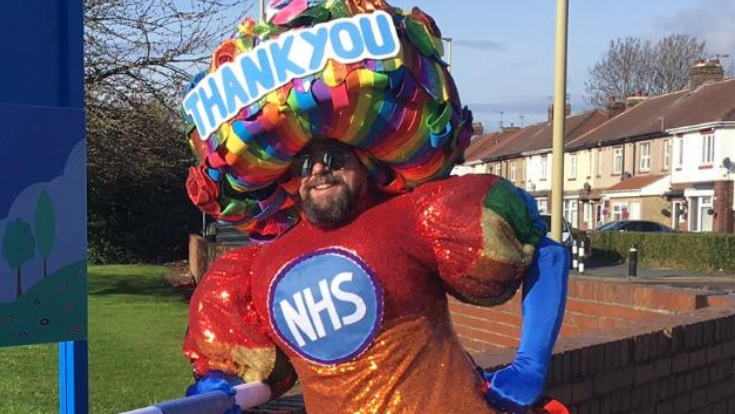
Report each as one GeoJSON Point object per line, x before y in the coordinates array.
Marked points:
{"type": "Point", "coordinates": [222, 94]}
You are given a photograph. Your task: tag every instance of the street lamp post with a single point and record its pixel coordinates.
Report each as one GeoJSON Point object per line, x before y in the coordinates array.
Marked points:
{"type": "Point", "coordinates": [560, 86]}
{"type": "Point", "coordinates": [449, 51]}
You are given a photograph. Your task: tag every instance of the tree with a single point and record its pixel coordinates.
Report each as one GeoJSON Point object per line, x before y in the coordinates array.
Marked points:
{"type": "Point", "coordinates": [45, 226]}
{"type": "Point", "coordinates": [18, 248]}
{"type": "Point", "coordinates": [632, 66]}
{"type": "Point", "coordinates": [139, 56]}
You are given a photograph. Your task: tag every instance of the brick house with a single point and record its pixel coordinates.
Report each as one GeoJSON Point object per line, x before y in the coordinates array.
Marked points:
{"type": "Point", "coordinates": [667, 158]}
{"type": "Point", "coordinates": [523, 156]}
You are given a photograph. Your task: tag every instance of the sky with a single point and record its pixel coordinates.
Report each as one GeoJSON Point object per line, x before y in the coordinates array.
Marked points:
{"type": "Point", "coordinates": [503, 50]}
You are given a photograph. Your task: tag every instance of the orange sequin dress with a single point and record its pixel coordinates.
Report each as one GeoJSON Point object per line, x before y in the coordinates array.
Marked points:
{"type": "Point", "coordinates": [359, 313]}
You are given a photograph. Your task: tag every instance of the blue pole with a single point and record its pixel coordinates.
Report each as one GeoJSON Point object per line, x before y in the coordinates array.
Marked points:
{"type": "Point", "coordinates": [73, 378]}
{"type": "Point", "coordinates": [73, 356]}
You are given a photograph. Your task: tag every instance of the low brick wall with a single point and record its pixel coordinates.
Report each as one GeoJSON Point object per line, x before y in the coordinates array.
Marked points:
{"type": "Point", "coordinates": [624, 347]}
{"type": "Point", "coordinates": [679, 357]}
{"type": "Point", "coordinates": [592, 305]}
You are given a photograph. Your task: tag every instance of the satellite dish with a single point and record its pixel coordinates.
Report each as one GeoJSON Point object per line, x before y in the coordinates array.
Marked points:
{"type": "Point", "coordinates": [726, 162]}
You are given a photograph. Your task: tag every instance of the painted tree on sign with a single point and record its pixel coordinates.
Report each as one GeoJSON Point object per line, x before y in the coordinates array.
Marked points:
{"type": "Point", "coordinates": [18, 248]}
{"type": "Point", "coordinates": [45, 227]}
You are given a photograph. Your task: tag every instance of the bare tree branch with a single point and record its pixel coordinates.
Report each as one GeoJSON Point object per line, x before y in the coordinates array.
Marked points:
{"type": "Point", "coordinates": [139, 55]}
{"type": "Point", "coordinates": [632, 66]}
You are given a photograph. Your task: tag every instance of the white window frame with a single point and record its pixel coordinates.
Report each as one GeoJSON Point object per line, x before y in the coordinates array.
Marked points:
{"type": "Point", "coordinates": [599, 162]}
{"type": "Point", "coordinates": [497, 169]}
{"type": "Point", "coordinates": [680, 155]}
{"type": "Point", "coordinates": [513, 171]}
{"type": "Point", "coordinates": [708, 149]}
{"type": "Point", "coordinates": [588, 215]}
{"type": "Point", "coordinates": [571, 212]}
{"type": "Point", "coordinates": [667, 154]}
{"type": "Point", "coordinates": [543, 205]}
{"type": "Point", "coordinates": [543, 166]}
{"type": "Point", "coordinates": [617, 160]}
{"type": "Point", "coordinates": [645, 163]}
{"type": "Point", "coordinates": [589, 166]}
{"type": "Point", "coordinates": [572, 165]}
{"type": "Point", "coordinates": [698, 217]}
{"type": "Point", "coordinates": [617, 211]}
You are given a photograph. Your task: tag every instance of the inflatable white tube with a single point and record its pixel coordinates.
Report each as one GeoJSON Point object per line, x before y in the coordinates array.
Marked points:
{"type": "Point", "coordinates": [216, 402]}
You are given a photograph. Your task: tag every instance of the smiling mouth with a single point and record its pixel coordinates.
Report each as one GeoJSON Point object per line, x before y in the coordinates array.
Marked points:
{"type": "Point", "coordinates": [323, 186]}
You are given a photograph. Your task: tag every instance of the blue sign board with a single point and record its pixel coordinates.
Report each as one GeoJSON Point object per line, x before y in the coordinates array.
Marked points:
{"type": "Point", "coordinates": [43, 269]}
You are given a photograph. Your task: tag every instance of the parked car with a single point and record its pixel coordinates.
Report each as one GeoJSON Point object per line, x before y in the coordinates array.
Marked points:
{"type": "Point", "coordinates": [569, 234]}
{"type": "Point", "coordinates": [635, 225]}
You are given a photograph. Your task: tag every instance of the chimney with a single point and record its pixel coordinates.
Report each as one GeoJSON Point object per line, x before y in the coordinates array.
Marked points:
{"type": "Point", "coordinates": [511, 129]}
{"type": "Point", "coordinates": [614, 107]}
{"type": "Point", "coordinates": [567, 111]}
{"type": "Point", "coordinates": [477, 128]}
{"type": "Point", "coordinates": [634, 100]}
{"type": "Point", "coordinates": [705, 71]}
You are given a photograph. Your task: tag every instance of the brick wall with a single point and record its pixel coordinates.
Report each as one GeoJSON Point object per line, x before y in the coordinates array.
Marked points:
{"type": "Point", "coordinates": [592, 304]}
{"type": "Point", "coordinates": [680, 361]}
{"type": "Point", "coordinates": [723, 206]}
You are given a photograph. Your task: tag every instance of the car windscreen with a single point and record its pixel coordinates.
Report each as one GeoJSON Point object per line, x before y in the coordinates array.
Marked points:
{"type": "Point", "coordinates": [610, 226]}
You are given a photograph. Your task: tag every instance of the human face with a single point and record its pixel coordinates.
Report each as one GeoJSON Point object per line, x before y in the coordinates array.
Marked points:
{"type": "Point", "coordinates": [330, 195]}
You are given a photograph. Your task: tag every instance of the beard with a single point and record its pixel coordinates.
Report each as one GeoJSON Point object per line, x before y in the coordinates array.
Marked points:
{"type": "Point", "coordinates": [333, 212]}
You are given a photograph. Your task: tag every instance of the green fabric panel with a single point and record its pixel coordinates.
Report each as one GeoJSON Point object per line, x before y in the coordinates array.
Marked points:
{"type": "Point", "coordinates": [503, 199]}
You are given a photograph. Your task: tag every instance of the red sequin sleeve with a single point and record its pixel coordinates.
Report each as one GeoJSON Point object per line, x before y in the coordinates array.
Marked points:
{"type": "Point", "coordinates": [481, 233]}
{"type": "Point", "coordinates": [225, 332]}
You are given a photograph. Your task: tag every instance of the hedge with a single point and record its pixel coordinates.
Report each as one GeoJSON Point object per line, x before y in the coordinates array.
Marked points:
{"type": "Point", "coordinates": [702, 252]}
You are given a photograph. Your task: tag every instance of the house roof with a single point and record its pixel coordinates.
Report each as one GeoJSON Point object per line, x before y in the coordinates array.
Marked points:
{"type": "Point", "coordinates": [711, 102]}
{"type": "Point", "coordinates": [636, 183]}
{"type": "Point", "coordinates": [653, 117]}
{"type": "Point", "coordinates": [481, 144]}
{"type": "Point", "coordinates": [538, 136]}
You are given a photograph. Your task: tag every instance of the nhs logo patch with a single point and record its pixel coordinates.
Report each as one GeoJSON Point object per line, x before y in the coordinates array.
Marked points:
{"type": "Point", "coordinates": [326, 306]}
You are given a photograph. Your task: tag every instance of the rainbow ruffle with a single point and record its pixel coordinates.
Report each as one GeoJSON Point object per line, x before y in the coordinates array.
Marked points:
{"type": "Point", "coordinates": [403, 115]}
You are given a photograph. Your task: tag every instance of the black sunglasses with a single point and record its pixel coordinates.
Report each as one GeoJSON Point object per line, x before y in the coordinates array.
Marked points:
{"type": "Point", "coordinates": [332, 159]}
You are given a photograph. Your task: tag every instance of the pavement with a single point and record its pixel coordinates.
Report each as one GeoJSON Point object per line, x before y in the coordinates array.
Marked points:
{"type": "Point", "coordinates": [715, 282]}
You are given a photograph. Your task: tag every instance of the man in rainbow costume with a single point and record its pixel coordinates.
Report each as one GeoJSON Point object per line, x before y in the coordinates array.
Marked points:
{"type": "Point", "coordinates": [327, 132]}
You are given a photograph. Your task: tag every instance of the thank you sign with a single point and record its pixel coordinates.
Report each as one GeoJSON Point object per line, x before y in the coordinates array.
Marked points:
{"type": "Point", "coordinates": [223, 93]}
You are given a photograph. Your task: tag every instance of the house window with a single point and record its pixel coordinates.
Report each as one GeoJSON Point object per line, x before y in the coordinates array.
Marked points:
{"type": "Point", "coordinates": [617, 160]}
{"type": "Point", "coordinates": [543, 205]}
{"type": "Point", "coordinates": [587, 215]}
{"type": "Point", "coordinates": [708, 149]}
{"type": "Point", "coordinates": [701, 214]}
{"type": "Point", "coordinates": [573, 166]}
{"type": "Point", "coordinates": [619, 211]}
{"type": "Point", "coordinates": [645, 164]}
{"type": "Point", "coordinates": [497, 169]}
{"type": "Point", "coordinates": [571, 212]}
{"type": "Point", "coordinates": [599, 162]}
{"type": "Point", "coordinates": [512, 175]}
{"type": "Point", "coordinates": [680, 158]}
{"type": "Point", "coordinates": [667, 153]}
{"type": "Point", "coordinates": [589, 164]}
{"type": "Point", "coordinates": [543, 166]}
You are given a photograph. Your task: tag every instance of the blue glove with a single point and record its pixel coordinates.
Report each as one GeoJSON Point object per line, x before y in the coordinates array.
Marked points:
{"type": "Point", "coordinates": [516, 387]}
{"type": "Point", "coordinates": [216, 381]}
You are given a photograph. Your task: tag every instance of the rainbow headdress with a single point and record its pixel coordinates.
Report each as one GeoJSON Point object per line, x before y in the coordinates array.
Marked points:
{"type": "Point", "coordinates": [358, 71]}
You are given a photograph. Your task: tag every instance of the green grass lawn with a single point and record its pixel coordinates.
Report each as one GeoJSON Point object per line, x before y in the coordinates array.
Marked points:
{"type": "Point", "coordinates": [136, 325]}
